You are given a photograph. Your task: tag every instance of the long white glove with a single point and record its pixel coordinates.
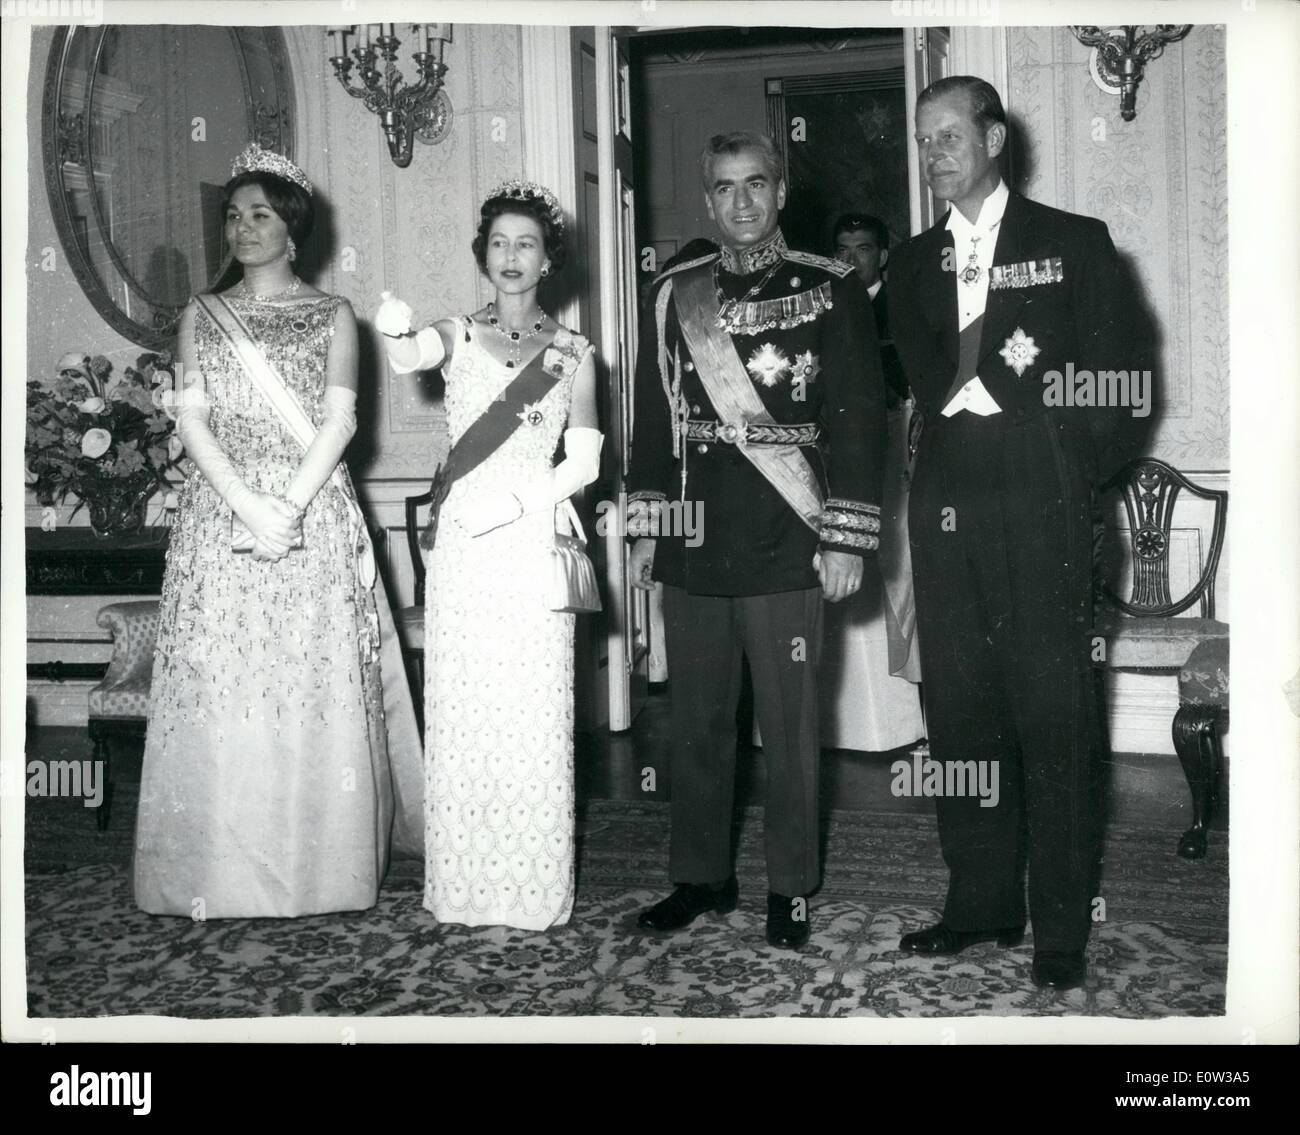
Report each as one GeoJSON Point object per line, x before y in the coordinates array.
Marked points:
{"type": "Point", "coordinates": [338, 424]}
{"type": "Point", "coordinates": [581, 466]}
{"type": "Point", "coordinates": [407, 352]}
{"type": "Point", "coordinates": [269, 520]}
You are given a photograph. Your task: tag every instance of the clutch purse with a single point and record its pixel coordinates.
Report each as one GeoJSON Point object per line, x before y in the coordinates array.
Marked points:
{"type": "Point", "coordinates": [242, 540]}
{"type": "Point", "coordinates": [571, 584]}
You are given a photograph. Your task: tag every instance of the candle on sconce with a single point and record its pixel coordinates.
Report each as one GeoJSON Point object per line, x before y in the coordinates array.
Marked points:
{"type": "Point", "coordinates": [438, 34]}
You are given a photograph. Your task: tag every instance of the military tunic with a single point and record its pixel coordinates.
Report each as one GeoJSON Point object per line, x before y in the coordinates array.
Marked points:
{"type": "Point", "coordinates": [804, 330]}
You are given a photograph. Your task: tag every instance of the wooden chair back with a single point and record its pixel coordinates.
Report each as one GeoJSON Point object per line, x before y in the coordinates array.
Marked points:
{"type": "Point", "coordinates": [1150, 490]}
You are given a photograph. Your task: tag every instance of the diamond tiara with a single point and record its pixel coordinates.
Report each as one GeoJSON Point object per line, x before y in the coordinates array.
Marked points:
{"type": "Point", "coordinates": [529, 190]}
{"type": "Point", "coordinates": [254, 158]}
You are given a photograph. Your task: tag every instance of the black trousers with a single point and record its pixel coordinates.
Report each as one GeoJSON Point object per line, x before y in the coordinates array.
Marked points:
{"type": "Point", "coordinates": [706, 636]}
{"type": "Point", "coordinates": [1001, 535]}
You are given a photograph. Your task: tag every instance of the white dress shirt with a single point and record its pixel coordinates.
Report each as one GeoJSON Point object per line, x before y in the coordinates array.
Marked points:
{"type": "Point", "coordinates": [979, 237]}
{"type": "Point", "coordinates": [871, 291]}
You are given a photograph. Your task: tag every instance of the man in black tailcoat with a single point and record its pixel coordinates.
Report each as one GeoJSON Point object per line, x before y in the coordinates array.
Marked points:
{"type": "Point", "coordinates": [990, 309]}
{"type": "Point", "coordinates": [759, 404]}
{"type": "Point", "coordinates": [862, 242]}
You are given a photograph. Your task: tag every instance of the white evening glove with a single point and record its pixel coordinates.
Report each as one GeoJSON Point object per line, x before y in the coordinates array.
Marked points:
{"type": "Point", "coordinates": [263, 515]}
{"type": "Point", "coordinates": [394, 316]}
{"type": "Point", "coordinates": [338, 424]}
{"type": "Point", "coordinates": [581, 466]}
{"type": "Point", "coordinates": [407, 352]}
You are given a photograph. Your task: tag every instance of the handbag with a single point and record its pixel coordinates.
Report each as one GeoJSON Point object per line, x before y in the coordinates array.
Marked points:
{"type": "Point", "coordinates": [571, 583]}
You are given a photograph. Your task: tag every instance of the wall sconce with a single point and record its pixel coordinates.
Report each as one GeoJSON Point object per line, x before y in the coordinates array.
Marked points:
{"type": "Point", "coordinates": [406, 110]}
{"type": "Point", "coordinates": [1119, 54]}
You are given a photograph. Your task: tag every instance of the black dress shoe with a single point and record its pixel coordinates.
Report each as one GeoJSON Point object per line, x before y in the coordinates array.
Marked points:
{"type": "Point", "coordinates": [1059, 969]}
{"type": "Point", "coordinates": [687, 903]}
{"type": "Point", "coordinates": [941, 939]}
{"type": "Point", "coordinates": [784, 930]}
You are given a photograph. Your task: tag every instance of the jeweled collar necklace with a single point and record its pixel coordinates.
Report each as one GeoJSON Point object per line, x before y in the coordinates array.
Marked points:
{"type": "Point", "coordinates": [743, 261]}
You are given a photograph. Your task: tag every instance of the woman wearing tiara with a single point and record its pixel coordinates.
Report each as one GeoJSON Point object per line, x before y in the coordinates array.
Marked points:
{"type": "Point", "coordinates": [499, 823]}
{"type": "Point", "coordinates": [279, 744]}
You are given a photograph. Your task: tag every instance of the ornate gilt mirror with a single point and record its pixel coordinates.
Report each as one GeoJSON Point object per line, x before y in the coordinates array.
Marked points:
{"type": "Point", "coordinates": [141, 124]}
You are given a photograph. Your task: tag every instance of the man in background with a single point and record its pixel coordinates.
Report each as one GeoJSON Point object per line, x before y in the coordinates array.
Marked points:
{"type": "Point", "coordinates": [862, 242]}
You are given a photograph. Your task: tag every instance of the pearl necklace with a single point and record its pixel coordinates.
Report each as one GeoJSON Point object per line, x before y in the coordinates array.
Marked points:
{"type": "Point", "coordinates": [248, 292]}
{"type": "Point", "coordinates": [515, 337]}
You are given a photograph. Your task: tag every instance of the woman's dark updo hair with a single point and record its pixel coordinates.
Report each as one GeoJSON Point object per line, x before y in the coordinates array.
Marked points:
{"type": "Point", "coordinates": [532, 207]}
{"type": "Point", "coordinates": [290, 201]}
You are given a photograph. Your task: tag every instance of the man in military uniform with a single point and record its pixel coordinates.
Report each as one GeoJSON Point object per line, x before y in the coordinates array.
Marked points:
{"type": "Point", "coordinates": [759, 403]}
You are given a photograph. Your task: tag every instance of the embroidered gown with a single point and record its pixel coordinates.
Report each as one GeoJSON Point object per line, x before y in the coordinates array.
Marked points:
{"type": "Point", "coordinates": [499, 835]}
{"type": "Point", "coordinates": [271, 767]}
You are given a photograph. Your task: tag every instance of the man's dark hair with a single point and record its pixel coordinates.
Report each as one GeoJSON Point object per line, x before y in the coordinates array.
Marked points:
{"type": "Point", "coordinates": [863, 222]}
{"type": "Point", "coordinates": [985, 102]}
{"type": "Point", "coordinates": [738, 141]}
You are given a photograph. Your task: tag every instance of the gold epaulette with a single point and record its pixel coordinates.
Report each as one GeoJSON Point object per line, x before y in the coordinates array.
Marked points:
{"type": "Point", "coordinates": [686, 264]}
{"type": "Point", "coordinates": [835, 267]}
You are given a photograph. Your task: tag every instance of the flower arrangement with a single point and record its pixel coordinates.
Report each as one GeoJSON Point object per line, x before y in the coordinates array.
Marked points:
{"type": "Point", "coordinates": [106, 439]}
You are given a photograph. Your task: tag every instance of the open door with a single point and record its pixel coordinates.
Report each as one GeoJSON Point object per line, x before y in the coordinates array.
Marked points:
{"type": "Point", "coordinates": [925, 59]}
{"type": "Point", "coordinates": [627, 614]}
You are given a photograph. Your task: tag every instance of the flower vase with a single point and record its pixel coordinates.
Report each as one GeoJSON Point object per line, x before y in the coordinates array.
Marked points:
{"type": "Point", "coordinates": [117, 509]}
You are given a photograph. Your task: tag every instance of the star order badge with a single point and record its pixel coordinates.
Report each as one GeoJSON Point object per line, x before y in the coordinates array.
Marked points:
{"type": "Point", "coordinates": [1019, 351]}
{"type": "Point", "coordinates": [806, 367]}
{"type": "Point", "coordinates": [532, 414]}
{"type": "Point", "coordinates": [768, 365]}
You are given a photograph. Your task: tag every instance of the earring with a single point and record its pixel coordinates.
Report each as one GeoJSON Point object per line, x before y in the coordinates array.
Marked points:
{"type": "Point", "coordinates": [546, 271]}
{"type": "Point", "coordinates": [291, 250]}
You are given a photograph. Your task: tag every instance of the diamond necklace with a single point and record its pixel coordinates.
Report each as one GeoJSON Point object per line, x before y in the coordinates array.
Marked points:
{"type": "Point", "coordinates": [290, 290]}
{"type": "Point", "coordinates": [515, 337]}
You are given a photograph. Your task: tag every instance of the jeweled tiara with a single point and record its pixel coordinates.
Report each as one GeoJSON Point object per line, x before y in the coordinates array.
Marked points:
{"type": "Point", "coordinates": [254, 158]}
{"type": "Point", "coordinates": [530, 190]}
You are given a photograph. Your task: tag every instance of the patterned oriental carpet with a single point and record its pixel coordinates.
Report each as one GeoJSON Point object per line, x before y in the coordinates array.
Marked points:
{"type": "Point", "coordinates": [1161, 952]}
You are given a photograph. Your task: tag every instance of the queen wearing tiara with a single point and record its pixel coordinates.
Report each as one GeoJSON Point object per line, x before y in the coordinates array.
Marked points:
{"type": "Point", "coordinates": [282, 753]}
{"type": "Point", "coordinates": [499, 817]}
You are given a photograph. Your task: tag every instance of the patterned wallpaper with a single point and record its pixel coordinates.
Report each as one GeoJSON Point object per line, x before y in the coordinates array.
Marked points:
{"type": "Point", "coordinates": [1160, 183]}
{"type": "Point", "coordinates": [408, 230]}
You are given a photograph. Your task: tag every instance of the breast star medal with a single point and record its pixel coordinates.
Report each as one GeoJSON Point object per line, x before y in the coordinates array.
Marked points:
{"type": "Point", "coordinates": [806, 367]}
{"type": "Point", "coordinates": [768, 365]}
{"type": "Point", "coordinates": [532, 414]}
{"type": "Point", "coordinates": [1019, 352]}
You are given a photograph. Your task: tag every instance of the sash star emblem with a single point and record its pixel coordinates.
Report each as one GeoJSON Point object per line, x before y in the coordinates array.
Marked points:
{"type": "Point", "coordinates": [532, 414]}
{"type": "Point", "coordinates": [807, 367]}
{"type": "Point", "coordinates": [1019, 352]}
{"type": "Point", "coordinates": [768, 365]}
